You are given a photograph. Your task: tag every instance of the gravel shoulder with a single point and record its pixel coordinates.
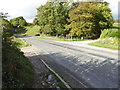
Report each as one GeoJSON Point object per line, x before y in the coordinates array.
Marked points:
{"type": "Point", "coordinates": [44, 78]}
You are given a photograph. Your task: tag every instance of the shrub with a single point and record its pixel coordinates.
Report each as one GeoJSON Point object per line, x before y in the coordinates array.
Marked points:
{"type": "Point", "coordinates": [110, 33]}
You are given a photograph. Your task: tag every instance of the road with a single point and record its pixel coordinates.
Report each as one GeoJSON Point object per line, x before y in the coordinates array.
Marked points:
{"type": "Point", "coordinates": [81, 67]}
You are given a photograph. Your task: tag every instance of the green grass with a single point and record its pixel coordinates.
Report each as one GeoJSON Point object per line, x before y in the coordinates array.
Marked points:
{"type": "Point", "coordinates": [59, 39]}
{"type": "Point", "coordinates": [115, 25]}
{"type": "Point", "coordinates": [19, 43]}
{"type": "Point", "coordinates": [112, 32]}
{"type": "Point", "coordinates": [28, 30]}
{"type": "Point", "coordinates": [17, 71]}
{"type": "Point", "coordinates": [31, 30]}
{"type": "Point", "coordinates": [112, 43]}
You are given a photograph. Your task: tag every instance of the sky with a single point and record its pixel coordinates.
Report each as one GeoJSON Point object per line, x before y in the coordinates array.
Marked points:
{"type": "Point", "coordinates": [27, 8]}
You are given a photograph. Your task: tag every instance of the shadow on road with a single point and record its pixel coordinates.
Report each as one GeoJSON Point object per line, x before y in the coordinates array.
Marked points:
{"type": "Point", "coordinates": [81, 73]}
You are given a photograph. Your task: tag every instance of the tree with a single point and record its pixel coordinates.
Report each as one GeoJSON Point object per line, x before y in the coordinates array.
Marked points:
{"type": "Point", "coordinates": [61, 16]}
{"type": "Point", "coordinates": [18, 22]}
{"type": "Point", "coordinates": [6, 27]}
{"type": "Point", "coordinates": [6, 24]}
{"type": "Point", "coordinates": [3, 15]}
{"type": "Point", "coordinates": [52, 17]}
{"type": "Point", "coordinates": [35, 21]}
{"type": "Point", "coordinates": [45, 19]}
{"type": "Point", "coordinates": [87, 19]}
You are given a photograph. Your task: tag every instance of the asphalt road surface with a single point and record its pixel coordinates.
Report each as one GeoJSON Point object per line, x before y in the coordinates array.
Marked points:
{"type": "Point", "coordinates": [80, 67]}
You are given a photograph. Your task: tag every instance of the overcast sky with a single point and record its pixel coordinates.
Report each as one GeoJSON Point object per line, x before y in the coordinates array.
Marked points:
{"type": "Point", "coordinates": [27, 8]}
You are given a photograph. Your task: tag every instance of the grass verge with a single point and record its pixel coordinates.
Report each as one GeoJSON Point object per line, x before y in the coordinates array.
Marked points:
{"type": "Point", "coordinates": [59, 39]}
{"type": "Point", "coordinates": [19, 43]}
{"type": "Point", "coordinates": [17, 71]}
{"type": "Point", "coordinates": [109, 38]}
{"type": "Point", "coordinates": [111, 43]}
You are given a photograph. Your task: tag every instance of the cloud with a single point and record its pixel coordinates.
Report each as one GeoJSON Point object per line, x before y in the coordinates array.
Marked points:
{"type": "Point", "coordinates": [27, 8]}
{"type": "Point", "coordinates": [113, 4]}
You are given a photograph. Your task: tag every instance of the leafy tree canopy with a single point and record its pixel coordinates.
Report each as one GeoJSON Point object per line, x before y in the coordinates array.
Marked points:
{"type": "Point", "coordinates": [5, 26]}
{"type": "Point", "coordinates": [18, 22]}
{"type": "Point", "coordinates": [52, 17]}
{"type": "Point", "coordinates": [87, 19]}
{"type": "Point", "coordinates": [80, 19]}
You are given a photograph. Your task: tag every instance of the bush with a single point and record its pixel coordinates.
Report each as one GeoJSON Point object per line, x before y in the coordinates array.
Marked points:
{"type": "Point", "coordinates": [110, 33]}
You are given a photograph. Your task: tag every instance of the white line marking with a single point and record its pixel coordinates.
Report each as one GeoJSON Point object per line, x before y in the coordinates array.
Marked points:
{"type": "Point", "coordinates": [56, 74]}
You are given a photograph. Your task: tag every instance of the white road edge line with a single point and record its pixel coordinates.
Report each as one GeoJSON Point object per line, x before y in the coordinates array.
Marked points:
{"type": "Point", "coordinates": [56, 74]}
